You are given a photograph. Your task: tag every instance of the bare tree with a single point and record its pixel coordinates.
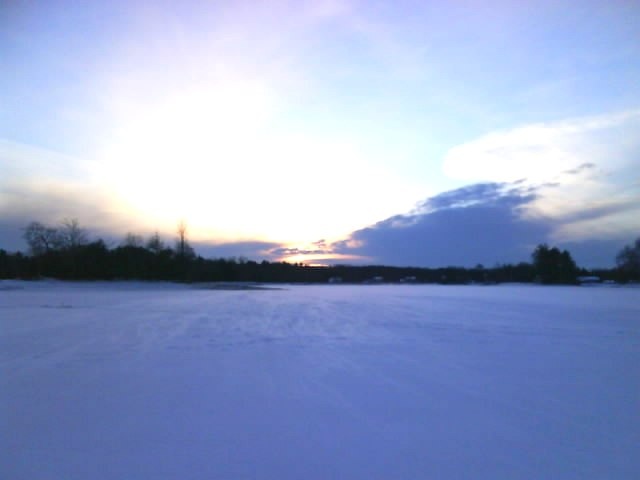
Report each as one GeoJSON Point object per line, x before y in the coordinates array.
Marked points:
{"type": "Point", "coordinates": [71, 234]}
{"type": "Point", "coordinates": [155, 243]}
{"type": "Point", "coordinates": [40, 238]}
{"type": "Point", "coordinates": [183, 248]}
{"type": "Point", "coordinates": [132, 240]}
{"type": "Point", "coordinates": [182, 237]}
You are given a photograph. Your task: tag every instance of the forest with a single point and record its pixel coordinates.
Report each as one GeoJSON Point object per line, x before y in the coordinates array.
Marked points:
{"type": "Point", "coordinates": [67, 252]}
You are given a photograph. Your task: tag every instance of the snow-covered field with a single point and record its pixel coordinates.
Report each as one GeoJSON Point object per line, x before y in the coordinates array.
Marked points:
{"type": "Point", "coordinates": [159, 381]}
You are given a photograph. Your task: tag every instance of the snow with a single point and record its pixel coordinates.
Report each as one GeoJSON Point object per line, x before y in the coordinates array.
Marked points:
{"type": "Point", "coordinates": [161, 381]}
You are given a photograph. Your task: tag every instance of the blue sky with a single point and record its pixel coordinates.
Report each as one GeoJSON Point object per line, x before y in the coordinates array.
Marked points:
{"type": "Point", "coordinates": [306, 128]}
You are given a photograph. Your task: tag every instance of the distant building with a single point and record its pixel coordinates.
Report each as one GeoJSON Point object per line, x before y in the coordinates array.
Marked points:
{"type": "Point", "coordinates": [589, 280]}
{"type": "Point", "coordinates": [409, 279]}
{"type": "Point", "coordinates": [376, 279]}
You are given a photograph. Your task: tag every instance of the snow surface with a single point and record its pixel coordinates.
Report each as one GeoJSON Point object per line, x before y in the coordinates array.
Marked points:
{"type": "Point", "coordinates": [161, 381]}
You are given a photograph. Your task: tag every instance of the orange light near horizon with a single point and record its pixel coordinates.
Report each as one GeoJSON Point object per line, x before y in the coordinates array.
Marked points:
{"type": "Point", "coordinates": [316, 259]}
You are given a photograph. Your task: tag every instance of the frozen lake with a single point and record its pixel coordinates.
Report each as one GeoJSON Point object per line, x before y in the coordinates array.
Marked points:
{"type": "Point", "coordinates": [159, 381]}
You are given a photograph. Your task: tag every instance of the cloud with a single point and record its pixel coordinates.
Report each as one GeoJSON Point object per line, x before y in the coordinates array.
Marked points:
{"type": "Point", "coordinates": [252, 250]}
{"type": "Point", "coordinates": [542, 152]}
{"type": "Point", "coordinates": [597, 253]}
{"type": "Point", "coordinates": [318, 253]}
{"type": "Point", "coordinates": [482, 193]}
{"type": "Point", "coordinates": [600, 210]}
{"type": "Point", "coordinates": [291, 251]}
{"type": "Point", "coordinates": [595, 203]}
{"type": "Point", "coordinates": [22, 162]}
{"type": "Point", "coordinates": [46, 186]}
{"type": "Point", "coordinates": [580, 168]}
{"type": "Point", "coordinates": [492, 223]}
{"type": "Point", "coordinates": [480, 223]}
{"type": "Point", "coordinates": [584, 172]}
{"type": "Point", "coordinates": [22, 203]}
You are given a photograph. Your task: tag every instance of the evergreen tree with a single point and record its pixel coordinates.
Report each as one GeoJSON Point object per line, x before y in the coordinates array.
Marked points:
{"type": "Point", "coordinates": [628, 261]}
{"type": "Point", "coordinates": [554, 266]}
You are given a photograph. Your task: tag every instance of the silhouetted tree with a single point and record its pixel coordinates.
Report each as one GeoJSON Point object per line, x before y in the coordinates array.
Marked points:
{"type": "Point", "coordinates": [132, 240]}
{"type": "Point", "coordinates": [183, 249]}
{"type": "Point", "coordinates": [628, 261]}
{"type": "Point", "coordinates": [71, 235]}
{"type": "Point", "coordinates": [155, 243]}
{"type": "Point", "coordinates": [92, 261]}
{"type": "Point", "coordinates": [40, 238]}
{"type": "Point", "coordinates": [553, 266]}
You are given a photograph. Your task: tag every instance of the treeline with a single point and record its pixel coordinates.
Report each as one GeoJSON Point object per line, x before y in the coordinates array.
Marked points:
{"type": "Point", "coordinates": [65, 252]}
{"type": "Point", "coordinates": [94, 261]}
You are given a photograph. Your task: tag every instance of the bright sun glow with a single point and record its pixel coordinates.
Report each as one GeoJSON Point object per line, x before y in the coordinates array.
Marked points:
{"type": "Point", "coordinates": [214, 159]}
{"type": "Point", "coordinates": [174, 160]}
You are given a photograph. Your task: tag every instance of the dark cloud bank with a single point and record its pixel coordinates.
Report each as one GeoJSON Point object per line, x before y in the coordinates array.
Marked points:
{"type": "Point", "coordinates": [475, 224]}
{"type": "Point", "coordinates": [481, 223]}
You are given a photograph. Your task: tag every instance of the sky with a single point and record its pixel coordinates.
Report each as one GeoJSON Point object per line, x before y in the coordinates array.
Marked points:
{"type": "Point", "coordinates": [421, 133]}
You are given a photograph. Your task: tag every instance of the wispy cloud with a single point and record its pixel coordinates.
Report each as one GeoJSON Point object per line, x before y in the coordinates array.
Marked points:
{"type": "Point", "coordinates": [20, 162]}
{"type": "Point", "coordinates": [540, 152]}
{"type": "Point", "coordinates": [585, 169]}
{"type": "Point", "coordinates": [580, 168]}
